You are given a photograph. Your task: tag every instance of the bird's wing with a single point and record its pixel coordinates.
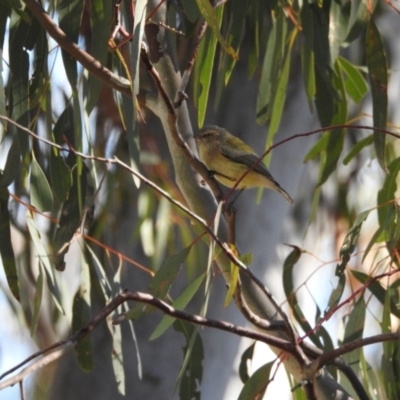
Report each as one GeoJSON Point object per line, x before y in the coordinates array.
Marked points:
{"type": "Point", "coordinates": [247, 159]}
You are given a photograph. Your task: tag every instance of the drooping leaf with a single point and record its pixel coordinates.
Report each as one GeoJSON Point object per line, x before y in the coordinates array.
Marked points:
{"type": "Point", "coordinates": [180, 303]}
{"type": "Point", "coordinates": [191, 373]}
{"type": "Point", "coordinates": [357, 148]}
{"type": "Point", "coordinates": [350, 242]}
{"type": "Point", "coordinates": [354, 83]}
{"type": "Point", "coordinates": [37, 300]}
{"type": "Point", "coordinates": [81, 313]}
{"type": "Point", "coordinates": [210, 15]}
{"type": "Point", "coordinates": [354, 331]}
{"type": "Point", "coordinates": [377, 290]}
{"type": "Point", "coordinates": [161, 282]}
{"type": "Point", "coordinates": [6, 249]}
{"type": "Point", "coordinates": [100, 16]}
{"type": "Point", "coordinates": [70, 218]}
{"type": "Point", "coordinates": [339, 15]}
{"type": "Point", "coordinates": [247, 356]}
{"type": "Point", "coordinates": [204, 68]}
{"type": "Point", "coordinates": [378, 77]}
{"type": "Point", "coordinates": [70, 17]}
{"type": "Point", "coordinates": [61, 177]}
{"type": "Point", "coordinates": [386, 196]}
{"type": "Point", "coordinates": [279, 97]}
{"type": "Point", "coordinates": [336, 294]}
{"type": "Point", "coordinates": [271, 67]}
{"type": "Point", "coordinates": [44, 259]}
{"type": "Point", "coordinates": [12, 166]}
{"type": "Point", "coordinates": [256, 386]}
{"type": "Point", "coordinates": [318, 148]}
{"type": "Point", "coordinates": [41, 195]}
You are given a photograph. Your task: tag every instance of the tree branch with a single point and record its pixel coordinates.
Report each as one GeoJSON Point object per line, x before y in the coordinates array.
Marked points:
{"type": "Point", "coordinates": [59, 349]}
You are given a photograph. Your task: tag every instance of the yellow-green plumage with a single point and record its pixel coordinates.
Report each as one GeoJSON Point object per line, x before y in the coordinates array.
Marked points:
{"type": "Point", "coordinates": [229, 158]}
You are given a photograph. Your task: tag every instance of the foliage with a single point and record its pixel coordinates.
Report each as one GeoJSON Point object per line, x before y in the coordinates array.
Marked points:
{"type": "Point", "coordinates": [71, 143]}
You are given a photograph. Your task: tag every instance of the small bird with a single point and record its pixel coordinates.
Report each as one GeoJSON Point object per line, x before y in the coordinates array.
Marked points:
{"type": "Point", "coordinates": [228, 158]}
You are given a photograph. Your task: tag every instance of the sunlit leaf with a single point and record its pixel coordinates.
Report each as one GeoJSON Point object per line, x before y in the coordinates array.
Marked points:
{"type": "Point", "coordinates": [161, 282]}
{"type": "Point", "coordinates": [180, 303]}
{"type": "Point", "coordinates": [210, 16]}
{"type": "Point", "coordinates": [354, 83]}
{"type": "Point", "coordinates": [204, 68]}
{"type": "Point", "coordinates": [44, 258]}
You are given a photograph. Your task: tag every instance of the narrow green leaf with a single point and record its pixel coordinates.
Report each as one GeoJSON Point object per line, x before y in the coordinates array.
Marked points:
{"type": "Point", "coordinates": [318, 148]}
{"type": "Point", "coordinates": [357, 148]}
{"type": "Point", "coordinates": [271, 68]}
{"type": "Point", "coordinates": [41, 195]}
{"type": "Point", "coordinates": [207, 48]}
{"type": "Point", "coordinates": [307, 68]}
{"type": "Point", "coordinates": [45, 260]}
{"type": "Point", "coordinates": [316, 19]}
{"type": "Point", "coordinates": [100, 16]}
{"type": "Point", "coordinates": [375, 239]}
{"type": "Point", "coordinates": [81, 313]}
{"type": "Point", "coordinates": [101, 276]}
{"type": "Point", "coordinates": [12, 166]}
{"type": "Point", "coordinates": [70, 218]}
{"type": "Point", "coordinates": [288, 266]}
{"type": "Point", "coordinates": [386, 196]}
{"type": "Point", "coordinates": [288, 286]}
{"type": "Point", "coordinates": [377, 290]}
{"type": "Point", "coordinates": [354, 83]}
{"type": "Point", "coordinates": [335, 143]}
{"type": "Point", "coordinates": [117, 357]}
{"type": "Point", "coordinates": [256, 386]}
{"type": "Point", "coordinates": [378, 76]}
{"type": "Point", "coordinates": [210, 15]}
{"type": "Point", "coordinates": [60, 177]}
{"type": "Point", "coordinates": [336, 294]}
{"type": "Point", "coordinates": [354, 331]}
{"type": "Point", "coordinates": [161, 282]}
{"type": "Point", "coordinates": [339, 15]}
{"type": "Point", "coordinates": [247, 356]}
{"type": "Point", "coordinates": [234, 276]}
{"type": "Point", "coordinates": [6, 249]}
{"type": "Point", "coordinates": [350, 242]}
{"type": "Point", "coordinates": [180, 303]}
{"type": "Point", "coordinates": [191, 373]}
{"type": "Point", "coordinates": [37, 300]}
{"type": "Point", "coordinates": [70, 17]}
{"type": "Point", "coordinates": [360, 14]}
{"type": "Point", "coordinates": [279, 97]}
